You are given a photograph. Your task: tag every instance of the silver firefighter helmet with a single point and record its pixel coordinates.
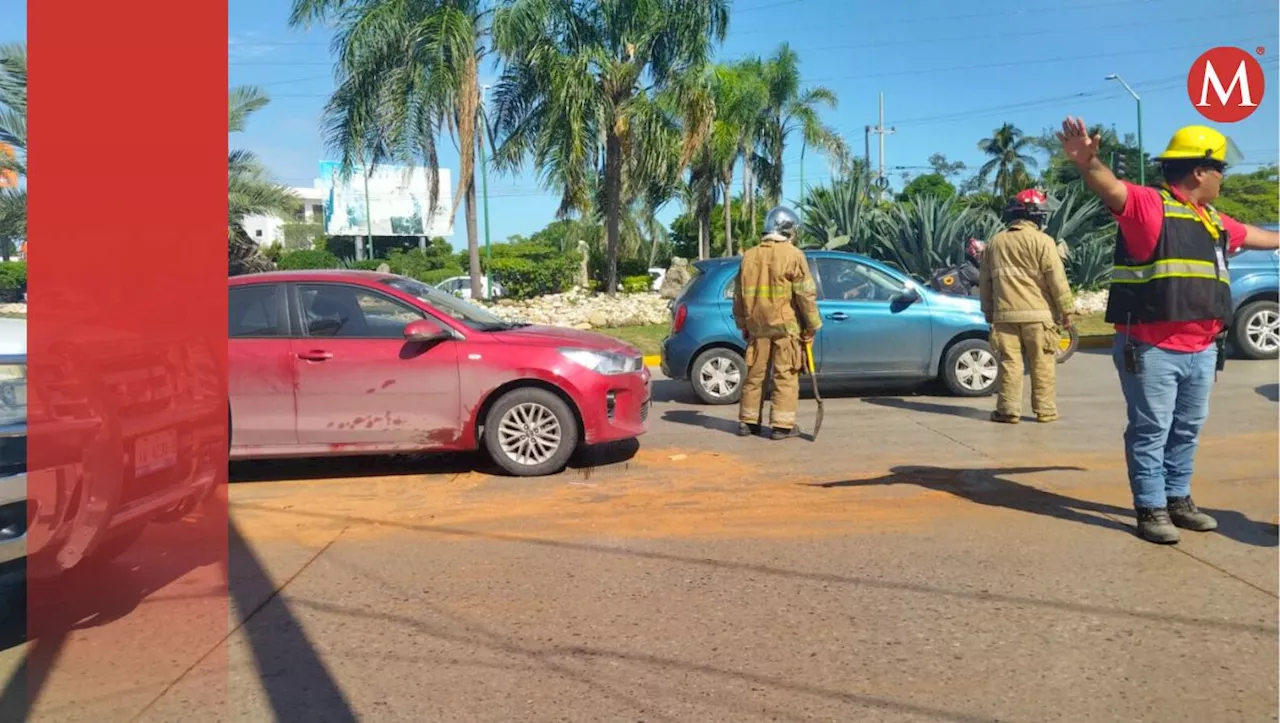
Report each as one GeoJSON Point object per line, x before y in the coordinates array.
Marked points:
{"type": "Point", "coordinates": [782, 221]}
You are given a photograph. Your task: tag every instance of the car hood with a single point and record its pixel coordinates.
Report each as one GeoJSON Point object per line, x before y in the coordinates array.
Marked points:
{"type": "Point", "coordinates": [1254, 260]}
{"type": "Point", "coordinates": [556, 336]}
{"type": "Point", "coordinates": [952, 302]}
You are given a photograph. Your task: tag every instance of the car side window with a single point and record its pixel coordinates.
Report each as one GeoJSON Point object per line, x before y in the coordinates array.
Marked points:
{"type": "Point", "coordinates": [349, 312]}
{"type": "Point", "coordinates": [849, 280]}
{"type": "Point", "coordinates": [253, 311]}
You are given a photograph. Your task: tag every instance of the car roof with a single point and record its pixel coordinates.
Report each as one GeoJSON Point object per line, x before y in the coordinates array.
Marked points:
{"type": "Point", "coordinates": [310, 275]}
{"type": "Point", "coordinates": [720, 262]}
{"type": "Point", "coordinates": [13, 337]}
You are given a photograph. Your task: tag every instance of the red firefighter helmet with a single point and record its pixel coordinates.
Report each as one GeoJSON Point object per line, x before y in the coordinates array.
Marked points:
{"type": "Point", "coordinates": [1031, 204]}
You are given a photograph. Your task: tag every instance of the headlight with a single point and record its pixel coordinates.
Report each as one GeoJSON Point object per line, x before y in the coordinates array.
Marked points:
{"type": "Point", "coordinates": [603, 362]}
{"type": "Point", "coordinates": [13, 393]}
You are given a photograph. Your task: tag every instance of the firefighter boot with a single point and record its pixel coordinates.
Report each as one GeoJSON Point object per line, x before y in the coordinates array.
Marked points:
{"type": "Point", "coordinates": [1155, 525]}
{"type": "Point", "coordinates": [779, 433]}
{"type": "Point", "coordinates": [746, 430]}
{"type": "Point", "coordinates": [1184, 513]}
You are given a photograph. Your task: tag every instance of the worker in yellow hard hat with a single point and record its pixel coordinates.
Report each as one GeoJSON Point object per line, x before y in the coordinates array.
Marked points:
{"type": "Point", "coordinates": [1170, 301]}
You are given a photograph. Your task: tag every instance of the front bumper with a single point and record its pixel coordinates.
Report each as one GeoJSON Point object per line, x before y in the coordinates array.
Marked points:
{"type": "Point", "coordinates": [617, 407]}
{"type": "Point", "coordinates": [13, 517]}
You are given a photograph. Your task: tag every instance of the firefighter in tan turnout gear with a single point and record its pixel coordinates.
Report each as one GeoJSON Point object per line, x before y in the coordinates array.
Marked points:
{"type": "Point", "coordinates": [775, 305]}
{"type": "Point", "coordinates": [1024, 297]}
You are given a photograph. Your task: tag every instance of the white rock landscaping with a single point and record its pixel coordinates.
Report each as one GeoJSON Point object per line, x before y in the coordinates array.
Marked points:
{"type": "Point", "coordinates": [580, 309]}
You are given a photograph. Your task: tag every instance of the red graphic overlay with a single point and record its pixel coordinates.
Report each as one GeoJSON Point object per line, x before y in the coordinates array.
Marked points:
{"type": "Point", "coordinates": [127, 407]}
{"type": "Point", "coordinates": [1226, 84]}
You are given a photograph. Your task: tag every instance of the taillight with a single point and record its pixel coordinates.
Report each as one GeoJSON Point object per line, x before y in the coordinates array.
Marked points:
{"type": "Point", "coordinates": [682, 314]}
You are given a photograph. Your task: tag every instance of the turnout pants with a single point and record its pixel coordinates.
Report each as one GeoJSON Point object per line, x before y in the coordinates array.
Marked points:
{"type": "Point", "coordinates": [787, 354]}
{"type": "Point", "coordinates": [1039, 341]}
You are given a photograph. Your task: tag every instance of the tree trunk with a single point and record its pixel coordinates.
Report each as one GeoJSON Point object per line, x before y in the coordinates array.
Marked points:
{"type": "Point", "coordinates": [777, 167]}
{"type": "Point", "coordinates": [728, 215]}
{"type": "Point", "coordinates": [652, 222]}
{"type": "Point", "coordinates": [613, 206]}
{"type": "Point", "coordinates": [468, 115]}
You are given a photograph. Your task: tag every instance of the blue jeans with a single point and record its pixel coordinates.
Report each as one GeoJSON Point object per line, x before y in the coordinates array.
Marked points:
{"type": "Point", "coordinates": [1167, 403]}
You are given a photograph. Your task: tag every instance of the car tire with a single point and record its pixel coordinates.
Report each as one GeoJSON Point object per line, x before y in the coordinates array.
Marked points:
{"type": "Point", "coordinates": [717, 376]}
{"type": "Point", "coordinates": [522, 412]}
{"type": "Point", "coordinates": [1255, 333]}
{"type": "Point", "coordinates": [970, 369]}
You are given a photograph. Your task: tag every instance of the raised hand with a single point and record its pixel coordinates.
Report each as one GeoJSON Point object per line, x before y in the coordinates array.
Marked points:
{"type": "Point", "coordinates": [1076, 143]}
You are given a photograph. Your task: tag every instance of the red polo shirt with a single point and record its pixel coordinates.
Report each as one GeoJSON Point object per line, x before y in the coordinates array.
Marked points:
{"type": "Point", "coordinates": [1141, 222]}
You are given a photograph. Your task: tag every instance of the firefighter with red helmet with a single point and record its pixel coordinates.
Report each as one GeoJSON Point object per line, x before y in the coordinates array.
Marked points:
{"type": "Point", "coordinates": [1025, 296]}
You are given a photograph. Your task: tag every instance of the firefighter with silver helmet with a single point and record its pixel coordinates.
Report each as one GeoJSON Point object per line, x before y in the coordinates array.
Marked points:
{"type": "Point", "coordinates": [775, 306]}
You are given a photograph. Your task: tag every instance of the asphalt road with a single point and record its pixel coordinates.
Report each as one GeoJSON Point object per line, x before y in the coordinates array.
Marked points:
{"type": "Point", "coordinates": [915, 563]}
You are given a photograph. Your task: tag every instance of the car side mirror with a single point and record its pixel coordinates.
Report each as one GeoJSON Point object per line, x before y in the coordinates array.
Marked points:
{"type": "Point", "coordinates": [425, 331]}
{"type": "Point", "coordinates": [909, 295]}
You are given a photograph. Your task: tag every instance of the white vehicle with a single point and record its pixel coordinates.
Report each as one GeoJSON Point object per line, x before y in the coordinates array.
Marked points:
{"type": "Point", "coordinates": [460, 286]}
{"type": "Point", "coordinates": [658, 276]}
{"type": "Point", "coordinates": [13, 439]}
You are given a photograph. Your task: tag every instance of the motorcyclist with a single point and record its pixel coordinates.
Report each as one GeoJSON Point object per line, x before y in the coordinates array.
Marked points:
{"type": "Point", "coordinates": [961, 279]}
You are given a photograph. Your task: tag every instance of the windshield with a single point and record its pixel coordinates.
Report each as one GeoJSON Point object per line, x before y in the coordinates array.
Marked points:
{"type": "Point", "coordinates": [470, 315]}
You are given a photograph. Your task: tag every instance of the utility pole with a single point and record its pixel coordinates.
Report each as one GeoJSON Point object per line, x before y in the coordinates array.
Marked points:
{"type": "Point", "coordinates": [368, 217]}
{"type": "Point", "coordinates": [881, 182]}
{"type": "Point", "coordinates": [1137, 100]}
{"type": "Point", "coordinates": [484, 189]}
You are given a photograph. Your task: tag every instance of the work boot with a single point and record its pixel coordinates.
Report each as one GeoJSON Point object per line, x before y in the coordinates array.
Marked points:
{"type": "Point", "coordinates": [779, 433]}
{"type": "Point", "coordinates": [1186, 515]}
{"type": "Point", "coordinates": [1047, 418]}
{"type": "Point", "coordinates": [1154, 525]}
{"type": "Point", "coordinates": [1005, 418]}
{"type": "Point", "coordinates": [746, 430]}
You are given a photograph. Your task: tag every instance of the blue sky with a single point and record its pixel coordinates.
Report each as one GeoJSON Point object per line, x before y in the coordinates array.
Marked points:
{"type": "Point", "coordinates": [950, 74]}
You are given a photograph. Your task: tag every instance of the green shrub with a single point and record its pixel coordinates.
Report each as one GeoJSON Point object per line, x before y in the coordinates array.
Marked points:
{"type": "Point", "coordinates": [637, 284]}
{"type": "Point", "coordinates": [367, 264]}
{"type": "Point", "coordinates": [308, 259]}
{"type": "Point", "coordinates": [525, 278]}
{"type": "Point", "coordinates": [13, 280]}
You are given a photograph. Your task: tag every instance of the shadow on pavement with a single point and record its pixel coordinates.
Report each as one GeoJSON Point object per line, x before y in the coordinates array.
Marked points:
{"type": "Point", "coordinates": [990, 487]}
{"type": "Point", "coordinates": [932, 408]}
{"type": "Point", "coordinates": [671, 391]}
{"type": "Point", "coordinates": [298, 684]}
{"type": "Point", "coordinates": [1270, 391]}
{"type": "Point", "coordinates": [585, 461]}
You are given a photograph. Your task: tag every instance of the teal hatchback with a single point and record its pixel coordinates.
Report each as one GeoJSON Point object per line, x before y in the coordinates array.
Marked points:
{"type": "Point", "coordinates": [877, 324]}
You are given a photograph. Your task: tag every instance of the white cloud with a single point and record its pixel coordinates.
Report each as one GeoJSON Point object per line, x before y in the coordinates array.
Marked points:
{"type": "Point", "coordinates": [247, 45]}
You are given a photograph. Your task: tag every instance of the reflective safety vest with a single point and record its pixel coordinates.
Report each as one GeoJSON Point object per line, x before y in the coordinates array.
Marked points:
{"type": "Point", "coordinates": [1186, 279]}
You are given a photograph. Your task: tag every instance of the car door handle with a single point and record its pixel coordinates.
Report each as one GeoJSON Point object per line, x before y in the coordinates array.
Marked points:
{"type": "Point", "coordinates": [838, 316]}
{"type": "Point", "coordinates": [315, 355]}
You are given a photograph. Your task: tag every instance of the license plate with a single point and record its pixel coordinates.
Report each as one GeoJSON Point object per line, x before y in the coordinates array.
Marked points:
{"type": "Point", "coordinates": [155, 452]}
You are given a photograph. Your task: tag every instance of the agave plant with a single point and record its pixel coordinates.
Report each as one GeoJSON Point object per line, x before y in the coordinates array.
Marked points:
{"type": "Point", "coordinates": [840, 215]}
{"type": "Point", "coordinates": [1089, 265]}
{"type": "Point", "coordinates": [929, 234]}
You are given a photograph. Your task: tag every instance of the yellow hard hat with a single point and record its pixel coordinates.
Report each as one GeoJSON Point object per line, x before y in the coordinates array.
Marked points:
{"type": "Point", "coordinates": [1201, 142]}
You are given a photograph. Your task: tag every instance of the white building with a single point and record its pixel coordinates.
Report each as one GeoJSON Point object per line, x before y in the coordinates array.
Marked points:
{"type": "Point", "coordinates": [267, 230]}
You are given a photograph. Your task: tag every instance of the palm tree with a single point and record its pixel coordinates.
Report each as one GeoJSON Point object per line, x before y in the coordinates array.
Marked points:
{"type": "Point", "coordinates": [1009, 151]}
{"type": "Point", "coordinates": [250, 191]}
{"type": "Point", "coordinates": [407, 71]}
{"type": "Point", "coordinates": [791, 109]}
{"type": "Point", "coordinates": [572, 94]}
{"type": "Point", "coordinates": [740, 98]}
{"type": "Point", "coordinates": [13, 133]}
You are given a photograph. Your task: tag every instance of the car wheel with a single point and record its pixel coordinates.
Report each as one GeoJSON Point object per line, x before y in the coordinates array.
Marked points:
{"type": "Point", "coordinates": [531, 432]}
{"type": "Point", "coordinates": [1256, 332]}
{"type": "Point", "coordinates": [718, 375]}
{"type": "Point", "coordinates": [970, 369]}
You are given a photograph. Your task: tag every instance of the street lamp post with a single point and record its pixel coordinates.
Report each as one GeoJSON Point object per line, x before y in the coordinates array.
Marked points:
{"type": "Point", "coordinates": [484, 189]}
{"type": "Point", "coordinates": [1142, 158]}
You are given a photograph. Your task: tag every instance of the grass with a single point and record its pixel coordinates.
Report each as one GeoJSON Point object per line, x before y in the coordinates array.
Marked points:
{"type": "Point", "coordinates": [649, 337]}
{"type": "Point", "coordinates": [1093, 325]}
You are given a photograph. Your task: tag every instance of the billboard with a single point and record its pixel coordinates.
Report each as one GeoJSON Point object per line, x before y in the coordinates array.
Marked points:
{"type": "Point", "coordinates": [398, 199]}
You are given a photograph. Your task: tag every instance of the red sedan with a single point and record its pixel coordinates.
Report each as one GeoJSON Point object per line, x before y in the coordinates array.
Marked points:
{"type": "Point", "coordinates": [352, 362]}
